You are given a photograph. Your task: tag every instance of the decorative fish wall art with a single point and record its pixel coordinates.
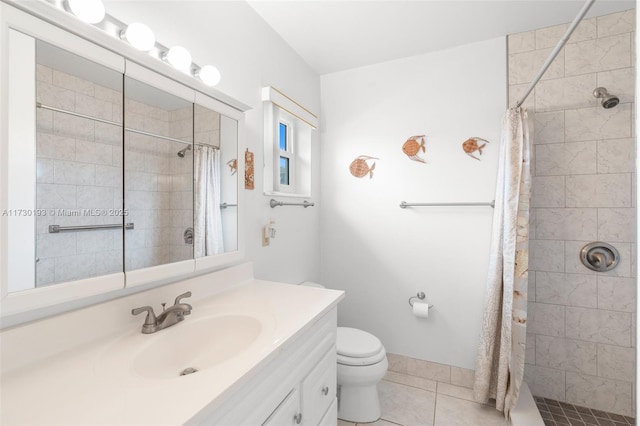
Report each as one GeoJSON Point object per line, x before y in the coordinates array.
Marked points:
{"type": "Point", "coordinates": [412, 148]}
{"type": "Point", "coordinates": [360, 166]}
{"type": "Point", "coordinates": [233, 165]}
{"type": "Point", "coordinates": [472, 145]}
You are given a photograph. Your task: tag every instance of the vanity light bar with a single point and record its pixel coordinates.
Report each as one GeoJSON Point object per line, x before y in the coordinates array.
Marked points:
{"type": "Point", "coordinates": [142, 38]}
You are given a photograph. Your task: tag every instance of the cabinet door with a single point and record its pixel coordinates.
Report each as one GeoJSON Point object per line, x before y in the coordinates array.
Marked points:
{"type": "Point", "coordinates": [288, 412]}
{"type": "Point", "coordinates": [319, 389]}
{"type": "Point", "coordinates": [331, 416]}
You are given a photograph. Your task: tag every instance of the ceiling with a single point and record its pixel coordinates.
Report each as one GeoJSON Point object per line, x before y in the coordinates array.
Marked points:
{"type": "Point", "coordinates": [335, 35]}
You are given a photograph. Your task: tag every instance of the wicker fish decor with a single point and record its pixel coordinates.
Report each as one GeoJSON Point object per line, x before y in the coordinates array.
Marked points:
{"type": "Point", "coordinates": [360, 168]}
{"type": "Point", "coordinates": [412, 148]}
{"type": "Point", "coordinates": [472, 145]}
{"type": "Point", "coordinates": [233, 166]}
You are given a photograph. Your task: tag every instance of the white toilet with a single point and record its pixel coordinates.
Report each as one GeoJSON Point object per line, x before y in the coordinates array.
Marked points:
{"type": "Point", "coordinates": [362, 363]}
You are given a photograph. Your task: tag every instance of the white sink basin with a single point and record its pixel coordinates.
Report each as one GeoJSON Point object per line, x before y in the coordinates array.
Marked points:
{"type": "Point", "coordinates": [196, 345]}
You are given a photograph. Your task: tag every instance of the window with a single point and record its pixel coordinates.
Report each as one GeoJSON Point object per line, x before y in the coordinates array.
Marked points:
{"type": "Point", "coordinates": [287, 145]}
{"type": "Point", "coordinates": [286, 156]}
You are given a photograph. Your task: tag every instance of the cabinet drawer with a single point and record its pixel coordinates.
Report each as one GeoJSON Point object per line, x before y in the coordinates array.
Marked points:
{"type": "Point", "coordinates": [288, 412]}
{"type": "Point", "coordinates": [319, 389]}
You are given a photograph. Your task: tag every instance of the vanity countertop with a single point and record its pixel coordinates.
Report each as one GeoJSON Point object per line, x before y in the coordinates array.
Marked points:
{"type": "Point", "coordinates": [109, 382]}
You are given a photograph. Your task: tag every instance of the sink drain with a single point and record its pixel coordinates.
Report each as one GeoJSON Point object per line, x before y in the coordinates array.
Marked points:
{"type": "Point", "coordinates": [188, 371]}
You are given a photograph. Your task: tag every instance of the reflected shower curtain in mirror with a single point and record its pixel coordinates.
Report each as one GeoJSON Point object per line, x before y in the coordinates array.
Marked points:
{"type": "Point", "coordinates": [208, 219]}
{"type": "Point", "coordinates": [500, 363]}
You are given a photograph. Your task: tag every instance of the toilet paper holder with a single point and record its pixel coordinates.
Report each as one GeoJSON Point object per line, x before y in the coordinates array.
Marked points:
{"type": "Point", "coordinates": [420, 296]}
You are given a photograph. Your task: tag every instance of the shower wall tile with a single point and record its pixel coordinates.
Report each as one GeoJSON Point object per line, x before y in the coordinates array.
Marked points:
{"type": "Point", "coordinates": [566, 159]}
{"type": "Point", "coordinates": [616, 156]}
{"type": "Point", "coordinates": [586, 124]}
{"type": "Point", "coordinates": [44, 74]}
{"type": "Point", "coordinates": [93, 107]}
{"type": "Point", "coordinates": [570, 290]}
{"type": "Point", "coordinates": [616, 293]}
{"type": "Point", "coordinates": [75, 127]}
{"type": "Point", "coordinates": [566, 224]}
{"type": "Point", "coordinates": [531, 290]}
{"type": "Point", "coordinates": [599, 393]}
{"type": "Point", "coordinates": [516, 92]}
{"type": "Point", "coordinates": [616, 23]}
{"type": "Point", "coordinates": [98, 241]}
{"type": "Point", "coordinates": [548, 37]}
{"type": "Point", "coordinates": [56, 196]}
{"type": "Point", "coordinates": [109, 262]}
{"type": "Point", "coordinates": [617, 224]}
{"type": "Point", "coordinates": [566, 354]}
{"type": "Point", "coordinates": [78, 85]}
{"type": "Point", "coordinates": [530, 349]}
{"type": "Point", "coordinates": [546, 319]}
{"type": "Point", "coordinates": [523, 67]}
{"type": "Point", "coordinates": [582, 191]}
{"type": "Point", "coordinates": [600, 326]}
{"type": "Point", "coordinates": [45, 272]}
{"type": "Point", "coordinates": [73, 173]}
{"type": "Point", "coordinates": [616, 362]}
{"type": "Point", "coordinates": [548, 127]}
{"type": "Point", "coordinates": [620, 82]}
{"type": "Point", "coordinates": [56, 147]}
{"type": "Point", "coordinates": [546, 255]}
{"type": "Point", "coordinates": [521, 42]}
{"type": "Point", "coordinates": [547, 191]}
{"type": "Point", "coordinates": [70, 268]}
{"type": "Point", "coordinates": [44, 170]}
{"type": "Point", "coordinates": [566, 93]}
{"type": "Point", "coordinates": [429, 370]}
{"type": "Point", "coordinates": [54, 96]}
{"type": "Point", "coordinates": [545, 382]}
{"type": "Point", "coordinates": [55, 245]}
{"type": "Point", "coordinates": [601, 54]}
{"type": "Point", "coordinates": [604, 190]}
{"type": "Point", "coordinates": [108, 176]}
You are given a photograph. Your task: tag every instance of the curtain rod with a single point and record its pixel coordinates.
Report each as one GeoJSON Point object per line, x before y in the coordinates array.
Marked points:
{"type": "Point", "coordinates": [556, 50]}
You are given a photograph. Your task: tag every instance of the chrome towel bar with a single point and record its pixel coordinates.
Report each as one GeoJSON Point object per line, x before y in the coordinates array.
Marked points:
{"type": "Point", "coordinates": [54, 229]}
{"type": "Point", "coordinates": [225, 205]}
{"type": "Point", "coordinates": [404, 204]}
{"type": "Point", "coordinates": [273, 203]}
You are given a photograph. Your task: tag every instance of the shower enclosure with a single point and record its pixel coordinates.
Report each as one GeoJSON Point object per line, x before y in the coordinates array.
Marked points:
{"type": "Point", "coordinates": [581, 322]}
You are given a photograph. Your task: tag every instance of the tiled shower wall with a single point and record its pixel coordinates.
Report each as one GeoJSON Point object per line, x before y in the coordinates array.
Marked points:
{"type": "Point", "coordinates": [78, 166]}
{"type": "Point", "coordinates": [580, 346]}
{"type": "Point", "coordinates": [158, 185]}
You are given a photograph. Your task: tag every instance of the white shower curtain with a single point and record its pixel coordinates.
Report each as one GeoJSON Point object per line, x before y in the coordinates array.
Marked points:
{"type": "Point", "coordinates": [208, 218]}
{"type": "Point", "coordinates": [500, 363]}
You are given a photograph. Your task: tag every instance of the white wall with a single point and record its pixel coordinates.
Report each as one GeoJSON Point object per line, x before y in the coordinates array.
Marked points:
{"type": "Point", "coordinates": [250, 55]}
{"type": "Point", "coordinates": [381, 254]}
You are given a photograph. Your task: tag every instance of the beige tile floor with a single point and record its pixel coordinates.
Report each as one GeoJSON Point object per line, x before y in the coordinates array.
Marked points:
{"type": "Point", "coordinates": [413, 401]}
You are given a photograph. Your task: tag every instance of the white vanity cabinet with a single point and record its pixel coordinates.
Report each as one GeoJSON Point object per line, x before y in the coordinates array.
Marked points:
{"type": "Point", "coordinates": [297, 387]}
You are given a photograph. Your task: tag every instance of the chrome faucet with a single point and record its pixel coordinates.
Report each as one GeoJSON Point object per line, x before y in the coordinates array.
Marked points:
{"type": "Point", "coordinates": [167, 318]}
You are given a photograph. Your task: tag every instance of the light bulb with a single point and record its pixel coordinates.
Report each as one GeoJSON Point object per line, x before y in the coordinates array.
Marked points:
{"type": "Point", "coordinates": [209, 75]}
{"type": "Point", "coordinates": [91, 11]}
{"type": "Point", "coordinates": [139, 36]}
{"type": "Point", "coordinates": [179, 57]}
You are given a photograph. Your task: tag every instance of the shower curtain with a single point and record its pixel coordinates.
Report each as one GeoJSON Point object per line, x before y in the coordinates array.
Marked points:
{"type": "Point", "coordinates": [208, 218]}
{"type": "Point", "coordinates": [500, 363]}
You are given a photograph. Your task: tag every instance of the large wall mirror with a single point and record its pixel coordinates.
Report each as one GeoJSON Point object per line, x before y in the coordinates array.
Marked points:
{"type": "Point", "coordinates": [128, 178]}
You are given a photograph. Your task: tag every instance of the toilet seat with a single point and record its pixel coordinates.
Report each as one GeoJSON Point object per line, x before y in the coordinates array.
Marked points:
{"type": "Point", "coordinates": [357, 347]}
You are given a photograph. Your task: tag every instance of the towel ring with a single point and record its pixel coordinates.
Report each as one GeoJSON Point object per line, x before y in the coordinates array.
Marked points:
{"type": "Point", "coordinates": [420, 296]}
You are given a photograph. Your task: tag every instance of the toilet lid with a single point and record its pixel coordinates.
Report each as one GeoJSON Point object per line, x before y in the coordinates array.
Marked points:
{"type": "Point", "coordinates": [356, 343]}
{"type": "Point", "coordinates": [369, 360]}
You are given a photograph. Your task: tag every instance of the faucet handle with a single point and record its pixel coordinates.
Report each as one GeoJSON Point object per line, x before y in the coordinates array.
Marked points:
{"type": "Point", "coordinates": [182, 296]}
{"type": "Point", "coordinates": [150, 322]}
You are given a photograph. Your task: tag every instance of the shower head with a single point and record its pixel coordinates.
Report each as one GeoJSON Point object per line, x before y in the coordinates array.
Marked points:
{"type": "Point", "coordinates": [608, 100]}
{"type": "Point", "coordinates": [183, 150]}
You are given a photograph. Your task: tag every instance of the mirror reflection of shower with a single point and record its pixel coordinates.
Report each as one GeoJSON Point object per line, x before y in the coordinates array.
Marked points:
{"type": "Point", "coordinates": [183, 151]}
{"type": "Point", "coordinates": [607, 100]}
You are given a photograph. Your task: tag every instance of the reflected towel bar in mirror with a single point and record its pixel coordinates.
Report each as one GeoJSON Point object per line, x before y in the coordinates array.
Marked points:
{"type": "Point", "coordinates": [225, 205]}
{"type": "Point", "coordinates": [273, 203]}
{"type": "Point", "coordinates": [54, 229]}
{"type": "Point", "coordinates": [404, 204]}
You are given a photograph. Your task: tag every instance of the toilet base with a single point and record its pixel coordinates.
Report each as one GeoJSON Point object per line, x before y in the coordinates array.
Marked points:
{"type": "Point", "coordinates": [359, 404]}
